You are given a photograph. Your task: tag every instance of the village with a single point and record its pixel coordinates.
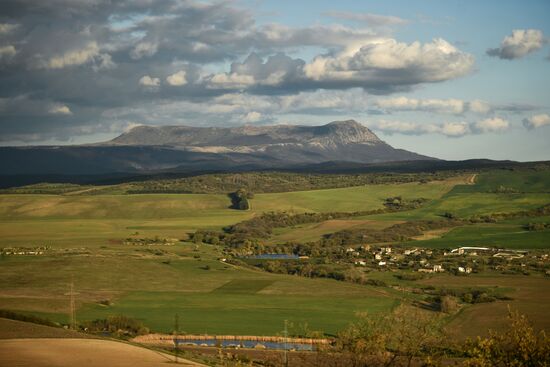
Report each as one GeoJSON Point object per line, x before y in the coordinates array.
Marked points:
{"type": "Point", "coordinates": [458, 261]}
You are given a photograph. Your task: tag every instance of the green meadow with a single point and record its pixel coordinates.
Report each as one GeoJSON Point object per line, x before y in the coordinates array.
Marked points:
{"type": "Point", "coordinates": [85, 236]}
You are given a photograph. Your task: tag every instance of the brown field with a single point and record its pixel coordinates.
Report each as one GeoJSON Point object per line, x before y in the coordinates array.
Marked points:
{"type": "Point", "coordinates": [428, 235]}
{"type": "Point", "coordinates": [80, 352]}
{"type": "Point", "coordinates": [12, 329]}
{"type": "Point", "coordinates": [529, 293]}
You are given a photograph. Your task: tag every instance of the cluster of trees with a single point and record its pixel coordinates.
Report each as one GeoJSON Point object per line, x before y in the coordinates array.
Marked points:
{"type": "Point", "coordinates": [410, 336]}
{"type": "Point", "coordinates": [398, 203]}
{"type": "Point", "coordinates": [466, 295]}
{"type": "Point", "coordinates": [247, 233]}
{"type": "Point", "coordinates": [537, 226]}
{"type": "Point", "coordinates": [396, 233]}
{"type": "Point", "coordinates": [6, 314]}
{"type": "Point", "coordinates": [495, 217]}
{"type": "Point", "coordinates": [119, 325]}
{"type": "Point", "coordinates": [239, 199]}
{"type": "Point", "coordinates": [505, 190]}
{"type": "Point", "coordinates": [265, 182]}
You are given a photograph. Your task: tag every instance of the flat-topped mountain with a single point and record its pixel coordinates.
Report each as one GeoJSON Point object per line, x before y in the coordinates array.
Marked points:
{"type": "Point", "coordinates": [326, 136]}
{"type": "Point", "coordinates": [347, 141]}
{"type": "Point", "coordinates": [192, 149]}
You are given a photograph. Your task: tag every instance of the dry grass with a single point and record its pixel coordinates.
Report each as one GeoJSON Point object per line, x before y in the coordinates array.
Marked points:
{"type": "Point", "coordinates": [80, 352]}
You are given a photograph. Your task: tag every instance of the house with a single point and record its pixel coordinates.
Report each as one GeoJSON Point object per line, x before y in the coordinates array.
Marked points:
{"type": "Point", "coordinates": [361, 263]}
{"type": "Point", "coordinates": [508, 255]}
{"type": "Point", "coordinates": [378, 257]}
{"type": "Point", "coordinates": [466, 270]}
{"type": "Point", "coordinates": [381, 263]}
{"type": "Point", "coordinates": [425, 270]}
{"type": "Point", "coordinates": [438, 269]}
{"type": "Point", "coordinates": [350, 249]}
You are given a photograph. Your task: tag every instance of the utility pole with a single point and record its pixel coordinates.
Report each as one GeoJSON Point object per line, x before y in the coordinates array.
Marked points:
{"type": "Point", "coordinates": [176, 333]}
{"type": "Point", "coordinates": [72, 306]}
{"type": "Point", "coordinates": [285, 344]}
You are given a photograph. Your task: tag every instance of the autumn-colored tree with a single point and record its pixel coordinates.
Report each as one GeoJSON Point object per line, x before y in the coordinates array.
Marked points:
{"type": "Point", "coordinates": [392, 339]}
{"type": "Point", "coordinates": [519, 345]}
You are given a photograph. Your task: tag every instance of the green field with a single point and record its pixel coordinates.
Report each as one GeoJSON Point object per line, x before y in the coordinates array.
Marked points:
{"type": "Point", "coordinates": [153, 283]}
{"type": "Point", "coordinates": [207, 294]}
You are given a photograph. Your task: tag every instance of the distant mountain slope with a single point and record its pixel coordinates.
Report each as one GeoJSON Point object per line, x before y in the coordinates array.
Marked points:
{"type": "Point", "coordinates": [337, 141]}
{"type": "Point", "coordinates": [181, 148]}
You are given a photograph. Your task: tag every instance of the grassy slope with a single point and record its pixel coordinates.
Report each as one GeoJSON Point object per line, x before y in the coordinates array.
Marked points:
{"type": "Point", "coordinates": [141, 285]}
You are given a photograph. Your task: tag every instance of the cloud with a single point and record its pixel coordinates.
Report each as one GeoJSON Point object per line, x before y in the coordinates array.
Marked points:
{"type": "Point", "coordinates": [150, 82]}
{"type": "Point", "coordinates": [59, 109]}
{"type": "Point", "coordinates": [453, 106]}
{"type": "Point", "coordinates": [143, 49]}
{"type": "Point", "coordinates": [479, 106]}
{"type": "Point", "coordinates": [6, 28]}
{"type": "Point", "coordinates": [495, 124]}
{"type": "Point", "coordinates": [251, 117]}
{"type": "Point", "coordinates": [520, 43]}
{"type": "Point", "coordinates": [536, 121]}
{"type": "Point", "coordinates": [87, 54]}
{"type": "Point", "coordinates": [7, 52]}
{"type": "Point", "coordinates": [373, 20]}
{"type": "Point", "coordinates": [177, 79]}
{"type": "Point", "coordinates": [449, 129]}
{"type": "Point", "coordinates": [389, 64]}
{"type": "Point", "coordinates": [449, 106]}
{"type": "Point", "coordinates": [63, 51]}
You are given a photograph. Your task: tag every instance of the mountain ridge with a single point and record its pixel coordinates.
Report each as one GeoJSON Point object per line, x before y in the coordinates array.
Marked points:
{"type": "Point", "coordinates": [184, 148]}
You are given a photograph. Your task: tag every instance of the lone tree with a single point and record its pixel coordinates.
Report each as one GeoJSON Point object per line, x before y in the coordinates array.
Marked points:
{"type": "Point", "coordinates": [239, 199]}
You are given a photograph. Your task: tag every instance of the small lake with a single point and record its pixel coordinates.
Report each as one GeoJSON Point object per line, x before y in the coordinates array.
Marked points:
{"type": "Point", "coordinates": [274, 257]}
{"type": "Point", "coordinates": [246, 344]}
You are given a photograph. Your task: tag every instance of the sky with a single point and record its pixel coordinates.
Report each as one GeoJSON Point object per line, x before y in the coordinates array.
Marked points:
{"type": "Point", "coordinates": [449, 79]}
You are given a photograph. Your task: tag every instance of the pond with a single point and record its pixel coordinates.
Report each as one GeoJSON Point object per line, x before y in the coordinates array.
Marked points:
{"type": "Point", "coordinates": [274, 257]}
{"type": "Point", "coordinates": [246, 344]}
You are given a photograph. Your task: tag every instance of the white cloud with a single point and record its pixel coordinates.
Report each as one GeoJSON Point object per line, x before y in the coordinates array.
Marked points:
{"type": "Point", "coordinates": [520, 43]}
{"type": "Point", "coordinates": [374, 20]}
{"type": "Point", "coordinates": [7, 52]}
{"type": "Point", "coordinates": [536, 121]}
{"type": "Point", "coordinates": [390, 62]}
{"type": "Point", "coordinates": [88, 54]}
{"type": "Point", "coordinates": [148, 81]}
{"type": "Point", "coordinates": [143, 49]}
{"type": "Point", "coordinates": [479, 106]}
{"type": "Point", "coordinates": [59, 109]}
{"type": "Point", "coordinates": [495, 124]}
{"type": "Point", "coordinates": [455, 129]}
{"type": "Point", "coordinates": [251, 117]}
{"type": "Point", "coordinates": [450, 129]}
{"type": "Point", "coordinates": [6, 28]}
{"type": "Point", "coordinates": [453, 106]}
{"type": "Point", "coordinates": [449, 106]}
{"type": "Point", "coordinates": [232, 81]}
{"type": "Point", "coordinates": [177, 79]}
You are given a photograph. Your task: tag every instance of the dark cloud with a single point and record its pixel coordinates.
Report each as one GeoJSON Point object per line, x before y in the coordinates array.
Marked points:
{"type": "Point", "coordinates": [76, 67]}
